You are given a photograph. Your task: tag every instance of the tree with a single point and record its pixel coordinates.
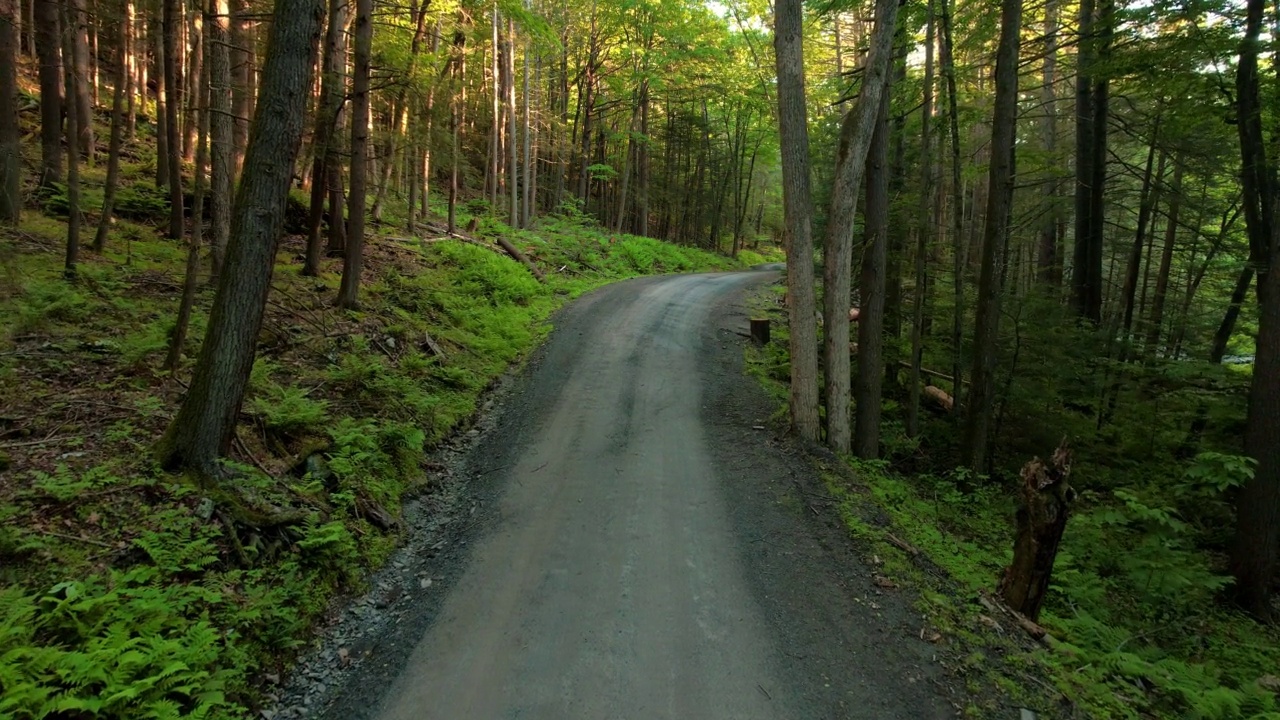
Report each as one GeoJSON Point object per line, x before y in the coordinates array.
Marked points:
{"type": "Point", "coordinates": [856, 131]}
{"type": "Point", "coordinates": [117, 140]}
{"type": "Point", "coordinates": [1258, 508]}
{"type": "Point", "coordinates": [353, 261]}
{"type": "Point", "coordinates": [171, 23]}
{"type": "Point", "coordinates": [10, 151]}
{"type": "Point", "coordinates": [793, 131]}
{"type": "Point", "coordinates": [995, 239]}
{"type": "Point", "coordinates": [326, 121]}
{"type": "Point", "coordinates": [49, 51]}
{"type": "Point", "coordinates": [866, 440]}
{"type": "Point", "coordinates": [205, 423]}
{"type": "Point", "coordinates": [71, 85]}
{"type": "Point", "coordinates": [221, 140]}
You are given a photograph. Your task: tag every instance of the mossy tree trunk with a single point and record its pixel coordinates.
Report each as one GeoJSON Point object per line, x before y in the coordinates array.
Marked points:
{"type": "Point", "coordinates": [1044, 499]}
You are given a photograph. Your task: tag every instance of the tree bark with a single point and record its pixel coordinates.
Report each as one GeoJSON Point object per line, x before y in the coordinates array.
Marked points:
{"type": "Point", "coordinates": [995, 240]}
{"type": "Point", "coordinates": [205, 424]}
{"type": "Point", "coordinates": [331, 92]}
{"type": "Point", "coordinates": [929, 193]}
{"type": "Point", "coordinates": [10, 136]}
{"type": "Point", "coordinates": [117, 139]}
{"type": "Point", "coordinates": [353, 261]}
{"type": "Point", "coordinates": [49, 51]}
{"type": "Point", "coordinates": [1086, 278]}
{"type": "Point", "coordinates": [1155, 320]}
{"type": "Point", "coordinates": [172, 21]}
{"type": "Point", "coordinates": [797, 202]}
{"type": "Point", "coordinates": [1044, 500]}
{"type": "Point", "coordinates": [871, 316]}
{"type": "Point", "coordinates": [957, 207]}
{"type": "Point", "coordinates": [1048, 264]}
{"type": "Point", "coordinates": [855, 139]}
{"type": "Point", "coordinates": [78, 19]}
{"type": "Point", "coordinates": [221, 135]}
{"type": "Point", "coordinates": [71, 82]}
{"type": "Point", "coordinates": [191, 280]}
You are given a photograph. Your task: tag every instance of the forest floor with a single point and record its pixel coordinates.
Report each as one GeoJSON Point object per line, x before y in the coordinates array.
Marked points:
{"type": "Point", "coordinates": [128, 592]}
{"type": "Point", "coordinates": [1132, 628]}
{"type": "Point", "coordinates": [635, 539]}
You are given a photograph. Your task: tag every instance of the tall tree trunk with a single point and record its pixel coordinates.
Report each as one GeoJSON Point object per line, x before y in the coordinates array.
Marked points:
{"type": "Point", "coordinates": [995, 239]}
{"type": "Point", "coordinates": [331, 92]}
{"type": "Point", "coordinates": [929, 194]}
{"type": "Point", "coordinates": [1145, 203]}
{"type": "Point", "coordinates": [957, 208]}
{"type": "Point", "coordinates": [513, 142]}
{"type": "Point", "coordinates": [132, 67]}
{"type": "Point", "coordinates": [793, 131]}
{"type": "Point", "coordinates": [162, 100]}
{"type": "Point", "coordinates": [1086, 279]}
{"type": "Point", "coordinates": [353, 261]}
{"type": "Point", "coordinates": [10, 136]}
{"type": "Point", "coordinates": [48, 48]}
{"type": "Point", "coordinates": [1048, 264]}
{"type": "Point", "coordinates": [241, 41]}
{"type": "Point", "coordinates": [172, 20]}
{"type": "Point", "coordinates": [78, 18]}
{"type": "Point", "coordinates": [1156, 317]}
{"type": "Point", "coordinates": [871, 318]}
{"type": "Point", "coordinates": [117, 139]}
{"type": "Point", "coordinates": [855, 139]}
{"type": "Point", "coordinates": [205, 423]}
{"type": "Point", "coordinates": [71, 83]}
{"type": "Point", "coordinates": [194, 86]}
{"type": "Point", "coordinates": [179, 338]}
{"type": "Point", "coordinates": [221, 135]}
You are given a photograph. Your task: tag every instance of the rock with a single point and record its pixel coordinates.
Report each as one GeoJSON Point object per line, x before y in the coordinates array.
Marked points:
{"type": "Point", "coordinates": [1270, 683]}
{"type": "Point", "coordinates": [425, 583]}
{"type": "Point", "coordinates": [204, 510]}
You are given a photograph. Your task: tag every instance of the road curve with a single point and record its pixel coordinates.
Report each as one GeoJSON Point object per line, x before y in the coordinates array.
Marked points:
{"type": "Point", "coordinates": [618, 576]}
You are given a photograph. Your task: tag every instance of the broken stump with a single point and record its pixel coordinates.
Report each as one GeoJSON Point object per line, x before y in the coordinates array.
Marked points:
{"type": "Point", "coordinates": [760, 331]}
{"type": "Point", "coordinates": [1044, 499]}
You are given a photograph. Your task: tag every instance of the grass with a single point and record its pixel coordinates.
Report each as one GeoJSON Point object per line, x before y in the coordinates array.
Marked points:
{"type": "Point", "coordinates": [126, 592]}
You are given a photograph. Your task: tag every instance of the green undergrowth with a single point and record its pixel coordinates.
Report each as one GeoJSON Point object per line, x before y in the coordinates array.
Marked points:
{"type": "Point", "coordinates": [1137, 627]}
{"type": "Point", "coordinates": [126, 592]}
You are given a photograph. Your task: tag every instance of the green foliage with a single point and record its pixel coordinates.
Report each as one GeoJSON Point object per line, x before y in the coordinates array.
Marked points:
{"type": "Point", "coordinates": [289, 409]}
{"type": "Point", "coordinates": [116, 647]}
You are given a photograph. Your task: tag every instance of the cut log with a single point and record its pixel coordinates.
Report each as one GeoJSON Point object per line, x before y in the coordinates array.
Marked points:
{"type": "Point", "coordinates": [760, 331]}
{"type": "Point", "coordinates": [939, 397]}
{"type": "Point", "coordinates": [514, 252]}
{"type": "Point", "coordinates": [1044, 500]}
{"type": "Point", "coordinates": [854, 313]}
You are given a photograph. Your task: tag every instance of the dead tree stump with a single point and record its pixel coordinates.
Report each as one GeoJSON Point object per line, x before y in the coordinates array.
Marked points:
{"type": "Point", "coordinates": [760, 331]}
{"type": "Point", "coordinates": [1044, 500]}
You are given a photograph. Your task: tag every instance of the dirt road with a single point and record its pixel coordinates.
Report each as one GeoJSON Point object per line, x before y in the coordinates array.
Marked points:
{"type": "Point", "coordinates": [646, 552]}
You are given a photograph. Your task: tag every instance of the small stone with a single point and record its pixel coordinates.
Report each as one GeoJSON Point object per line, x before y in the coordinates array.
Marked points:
{"type": "Point", "coordinates": [425, 583]}
{"type": "Point", "coordinates": [204, 510]}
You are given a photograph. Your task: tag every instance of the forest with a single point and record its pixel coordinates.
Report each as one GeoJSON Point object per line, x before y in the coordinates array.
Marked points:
{"type": "Point", "coordinates": [261, 258]}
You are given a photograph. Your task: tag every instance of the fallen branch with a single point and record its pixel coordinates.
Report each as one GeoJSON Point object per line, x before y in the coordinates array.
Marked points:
{"type": "Point", "coordinates": [514, 252]}
{"type": "Point", "coordinates": [902, 544]}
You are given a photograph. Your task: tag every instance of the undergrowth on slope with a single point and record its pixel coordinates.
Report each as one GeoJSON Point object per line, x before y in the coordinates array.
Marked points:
{"type": "Point", "coordinates": [126, 592]}
{"type": "Point", "coordinates": [1136, 625]}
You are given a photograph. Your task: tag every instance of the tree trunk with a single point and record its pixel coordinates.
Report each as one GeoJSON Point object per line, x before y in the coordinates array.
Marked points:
{"type": "Point", "coordinates": [331, 92]}
{"type": "Point", "coordinates": [10, 136]}
{"type": "Point", "coordinates": [995, 239]}
{"type": "Point", "coordinates": [194, 86]}
{"type": "Point", "coordinates": [855, 139]}
{"type": "Point", "coordinates": [1086, 274]}
{"type": "Point", "coordinates": [222, 135]}
{"type": "Point", "coordinates": [957, 208]}
{"type": "Point", "coordinates": [1048, 265]}
{"type": "Point", "coordinates": [205, 423]}
{"type": "Point", "coordinates": [929, 193]}
{"type": "Point", "coordinates": [117, 139]}
{"type": "Point", "coordinates": [48, 49]}
{"type": "Point", "coordinates": [353, 261]}
{"type": "Point", "coordinates": [871, 317]}
{"type": "Point", "coordinates": [1156, 317]}
{"type": "Point", "coordinates": [1044, 500]}
{"type": "Point", "coordinates": [78, 18]}
{"type": "Point", "coordinates": [240, 40]}
{"type": "Point", "coordinates": [162, 100]}
{"type": "Point", "coordinates": [172, 21]}
{"type": "Point", "coordinates": [1145, 202]}
{"type": "Point", "coordinates": [793, 131]}
{"type": "Point", "coordinates": [71, 82]}
{"type": "Point", "coordinates": [513, 142]}
{"type": "Point", "coordinates": [179, 338]}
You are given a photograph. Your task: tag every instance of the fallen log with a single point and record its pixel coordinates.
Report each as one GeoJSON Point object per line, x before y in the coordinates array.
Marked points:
{"type": "Point", "coordinates": [939, 397]}
{"type": "Point", "coordinates": [1044, 500]}
{"type": "Point", "coordinates": [520, 257]}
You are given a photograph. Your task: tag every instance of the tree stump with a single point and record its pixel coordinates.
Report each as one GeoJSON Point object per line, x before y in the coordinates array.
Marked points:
{"type": "Point", "coordinates": [760, 331]}
{"type": "Point", "coordinates": [1044, 500]}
